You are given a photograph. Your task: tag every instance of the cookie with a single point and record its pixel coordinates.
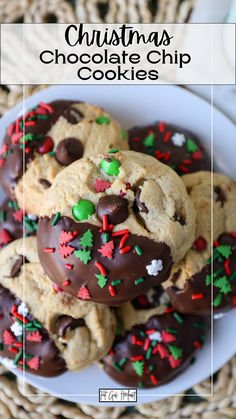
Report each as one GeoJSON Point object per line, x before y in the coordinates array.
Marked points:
{"type": "Point", "coordinates": [172, 145]}
{"type": "Point", "coordinates": [112, 225]}
{"type": "Point", "coordinates": [151, 348]}
{"type": "Point", "coordinates": [48, 138]}
{"type": "Point", "coordinates": [61, 332]}
{"type": "Point", "coordinates": [190, 283]}
{"type": "Point", "coordinates": [14, 223]}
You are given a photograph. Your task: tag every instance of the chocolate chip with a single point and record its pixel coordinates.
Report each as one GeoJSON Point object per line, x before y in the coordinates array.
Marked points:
{"type": "Point", "coordinates": [115, 207]}
{"type": "Point", "coordinates": [220, 196]}
{"type": "Point", "coordinates": [16, 268]}
{"type": "Point", "coordinates": [46, 184]}
{"type": "Point", "coordinates": [179, 218]}
{"type": "Point", "coordinates": [73, 115]}
{"type": "Point", "coordinates": [141, 206]}
{"type": "Point", "coordinates": [69, 150]}
{"type": "Point", "coordinates": [64, 322]}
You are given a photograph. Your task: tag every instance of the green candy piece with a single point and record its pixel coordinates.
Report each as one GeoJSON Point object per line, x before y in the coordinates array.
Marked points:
{"type": "Point", "coordinates": [103, 120]}
{"type": "Point", "coordinates": [83, 210]}
{"type": "Point", "coordinates": [110, 167]}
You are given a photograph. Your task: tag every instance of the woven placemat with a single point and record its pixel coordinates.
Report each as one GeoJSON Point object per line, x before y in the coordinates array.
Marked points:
{"type": "Point", "coordinates": [13, 404]}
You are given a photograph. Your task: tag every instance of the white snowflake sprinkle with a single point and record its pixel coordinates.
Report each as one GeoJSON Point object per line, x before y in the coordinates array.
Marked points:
{"type": "Point", "coordinates": [155, 336]}
{"type": "Point", "coordinates": [23, 309]}
{"type": "Point", "coordinates": [32, 217]}
{"type": "Point", "coordinates": [178, 139]}
{"type": "Point", "coordinates": [17, 329]}
{"type": "Point", "coordinates": [155, 267]}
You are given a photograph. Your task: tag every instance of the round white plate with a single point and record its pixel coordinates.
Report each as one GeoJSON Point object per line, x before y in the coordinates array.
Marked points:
{"type": "Point", "coordinates": [137, 105]}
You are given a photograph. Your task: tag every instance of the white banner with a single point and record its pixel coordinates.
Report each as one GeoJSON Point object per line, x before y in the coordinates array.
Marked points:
{"type": "Point", "coordinates": [117, 54]}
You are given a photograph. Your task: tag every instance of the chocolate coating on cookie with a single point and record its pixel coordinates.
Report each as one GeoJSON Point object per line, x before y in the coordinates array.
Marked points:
{"type": "Point", "coordinates": [69, 150]}
{"type": "Point", "coordinates": [151, 299]}
{"type": "Point", "coordinates": [95, 264]}
{"type": "Point", "coordinates": [174, 146]}
{"type": "Point", "coordinates": [195, 297]}
{"type": "Point", "coordinates": [65, 322]}
{"type": "Point", "coordinates": [12, 223]}
{"type": "Point", "coordinates": [42, 357]}
{"type": "Point", "coordinates": [18, 149]}
{"type": "Point", "coordinates": [154, 353]}
{"type": "Point", "coordinates": [115, 207]}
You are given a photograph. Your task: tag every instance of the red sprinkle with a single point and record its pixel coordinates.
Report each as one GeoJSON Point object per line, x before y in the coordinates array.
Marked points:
{"type": "Point", "coordinates": [46, 106]}
{"type": "Point", "coordinates": [57, 288]}
{"type": "Point", "coordinates": [167, 156]}
{"type": "Point", "coordinates": [139, 342]}
{"type": "Point", "coordinates": [227, 268]}
{"type": "Point", "coordinates": [10, 129]}
{"type": "Point", "coordinates": [66, 282]}
{"type": "Point", "coordinates": [169, 310]}
{"type": "Point", "coordinates": [21, 318]}
{"type": "Point", "coordinates": [216, 243]}
{"type": "Point", "coordinates": [200, 243]}
{"type": "Point", "coordinates": [197, 345]}
{"type": "Point", "coordinates": [3, 149]}
{"type": "Point", "coordinates": [161, 126]}
{"type": "Point", "coordinates": [18, 344]}
{"type": "Point", "coordinates": [197, 155]}
{"type": "Point", "coordinates": [5, 237]}
{"type": "Point", "coordinates": [187, 162]}
{"type": "Point", "coordinates": [167, 137]}
{"type": "Point", "coordinates": [142, 300]}
{"type": "Point", "coordinates": [154, 380]}
{"type": "Point", "coordinates": [127, 186]}
{"type": "Point", "coordinates": [18, 215]}
{"type": "Point", "coordinates": [111, 352]}
{"type": "Point", "coordinates": [84, 293]}
{"type": "Point", "coordinates": [150, 331]}
{"type": "Point", "coordinates": [122, 194]}
{"type": "Point", "coordinates": [41, 111]}
{"type": "Point", "coordinates": [16, 137]}
{"type": "Point", "coordinates": [101, 268]}
{"type": "Point", "coordinates": [134, 339]}
{"type": "Point", "coordinates": [146, 344]}
{"type": "Point", "coordinates": [125, 250]}
{"type": "Point", "coordinates": [120, 233]}
{"type": "Point", "coordinates": [167, 337]}
{"type": "Point", "coordinates": [14, 350]}
{"type": "Point", "coordinates": [123, 240]}
{"type": "Point", "coordinates": [29, 123]}
{"type": "Point", "coordinates": [137, 358]}
{"type": "Point", "coordinates": [2, 161]}
{"type": "Point", "coordinates": [68, 266]}
{"type": "Point", "coordinates": [234, 301]}
{"type": "Point", "coordinates": [14, 309]}
{"type": "Point", "coordinates": [233, 235]}
{"type": "Point", "coordinates": [49, 250]}
{"type": "Point", "coordinates": [184, 169]}
{"type": "Point", "coordinates": [17, 125]}
{"type": "Point", "coordinates": [112, 290]}
{"type": "Point", "coordinates": [136, 139]}
{"type": "Point", "coordinates": [197, 296]}
{"type": "Point", "coordinates": [27, 150]}
{"type": "Point", "coordinates": [46, 146]}
{"type": "Point", "coordinates": [104, 222]}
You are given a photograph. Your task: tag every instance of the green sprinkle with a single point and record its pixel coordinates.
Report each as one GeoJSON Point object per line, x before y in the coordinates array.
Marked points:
{"type": "Point", "coordinates": [106, 237]}
{"type": "Point", "coordinates": [202, 339]}
{"type": "Point", "coordinates": [118, 330]}
{"type": "Point", "coordinates": [150, 151]}
{"type": "Point", "coordinates": [139, 281]}
{"type": "Point", "coordinates": [123, 133]}
{"type": "Point", "coordinates": [208, 279]}
{"type": "Point", "coordinates": [149, 353]}
{"type": "Point", "coordinates": [218, 300]}
{"type": "Point", "coordinates": [27, 137]}
{"type": "Point", "coordinates": [191, 146]}
{"type": "Point", "coordinates": [30, 324]}
{"type": "Point", "coordinates": [32, 118]}
{"type": "Point", "coordinates": [103, 120]}
{"type": "Point", "coordinates": [192, 360]}
{"type": "Point", "coordinates": [1, 346]}
{"type": "Point", "coordinates": [142, 333]}
{"type": "Point", "coordinates": [56, 219]}
{"type": "Point", "coordinates": [171, 166]}
{"type": "Point", "coordinates": [225, 250]}
{"type": "Point", "coordinates": [224, 284]}
{"type": "Point", "coordinates": [28, 226]}
{"type": "Point", "coordinates": [83, 210]}
{"type": "Point", "coordinates": [18, 356]}
{"type": "Point", "coordinates": [140, 384]}
{"type": "Point", "coordinates": [138, 250]}
{"type": "Point", "coordinates": [32, 329]}
{"type": "Point", "coordinates": [232, 276]}
{"type": "Point", "coordinates": [38, 136]}
{"type": "Point", "coordinates": [10, 204]}
{"type": "Point", "coordinates": [83, 255]}
{"type": "Point", "coordinates": [20, 338]}
{"type": "Point", "coordinates": [111, 166]}
{"type": "Point", "coordinates": [154, 343]}
{"type": "Point", "coordinates": [3, 216]}
{"type": "Point", "coordinates": [115, 150]}
{"type": "Point", "coordinates": [172, 330]}
{"type": "Point", "coordinates": [175, 351]}
{"type": "Point", "coordinates": [21, 124]}
{"type": "Point", "coordinates": [198, 324]}
{"type": "Point", "coordinates": [19, 321]}
{"type": "Point", "coordinates": [215, 256]}
{"type": "Point", "coordinates": [216, 273]}
{"type": "Point", "coordinates": [51, 153]}
{"type": "Point", "coordinates": [149, 140]}
{"type": "Point", "coordinates": [37, 324]}
{"type": "Point", "coordinates": [23, 367]}
{"type": "Point", "coordinates": [118, 282]}
{"type": "Point", "coordinates": [151, 367]}
{"type": "Point", "coordinates": [42, 117]}
{"type": "Point", "coordinates": [15, 206]}
{"type": "Point", "coordinates": [28, 356]}
{"type": "Point", "coordinates": [122, 361]}
{"type": "Point", "coordinates": [138, 366]}
{"type": "Point", "coordinates": [102, 280]}
{"type": "Point", "coordinates": [87, 239]}
{"type": "Point", "coordinates": [178, 317]}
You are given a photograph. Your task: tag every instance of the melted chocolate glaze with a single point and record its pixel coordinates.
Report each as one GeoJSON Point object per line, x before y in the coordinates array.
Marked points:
{"type": "Point", "coordinates": [13, 168]}
{"type": "Point", "coordinates": [182, 299]}
{"type": "Point", "coordinates": [50, 362]}
{"type": "Point", "coordinates": [126, 267]}
{"type": "Point", "coordinates": [121, 361]}
{"type": "Point", "coordinates": [13, 227]}
{"type": "Point", "coordinates": [68, 322]}
{"type": "Point", "coordinates": [178, 154]}
{"type": "Point", "coordinates": [149, 300]}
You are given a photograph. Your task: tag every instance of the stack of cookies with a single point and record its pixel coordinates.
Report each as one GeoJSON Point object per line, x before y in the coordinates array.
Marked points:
{"type": "Point", "coordinates": [115, 248]}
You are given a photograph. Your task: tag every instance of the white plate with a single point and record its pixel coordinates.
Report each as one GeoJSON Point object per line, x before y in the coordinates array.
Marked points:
{"type": "Point", "coordinates": [137, 105]}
